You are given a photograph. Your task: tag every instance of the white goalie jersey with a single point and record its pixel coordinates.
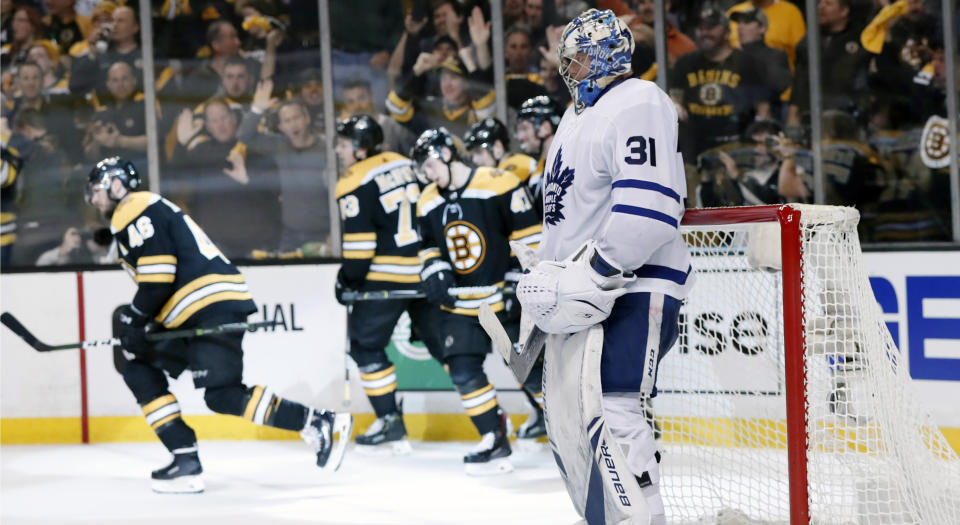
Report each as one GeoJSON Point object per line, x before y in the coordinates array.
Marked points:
{"type": "Point", "coordinates": [613, 174]}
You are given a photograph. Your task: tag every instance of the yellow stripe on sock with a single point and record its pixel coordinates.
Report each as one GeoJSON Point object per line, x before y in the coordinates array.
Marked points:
{"type": "Point", "coordinates": [476, 393]}
{"type": "Point", "coordinates": [373, 392]}
{"type": "Point", "coordinates": [379, 374]}
{"type": "Point", "coordinates": [165, 420]}
{"type": "Point", "coordinates": [477, 410]}
{"type": "Point", "coordinates": [251, 409]}
{"type": "Point", "coordinates": [159, 402]}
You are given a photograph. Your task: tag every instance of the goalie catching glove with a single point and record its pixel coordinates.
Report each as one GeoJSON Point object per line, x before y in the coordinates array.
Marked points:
{"type": "Point", "coordinates": [133, 331]}
{"type": "Point", "coordinates": [568, 296]}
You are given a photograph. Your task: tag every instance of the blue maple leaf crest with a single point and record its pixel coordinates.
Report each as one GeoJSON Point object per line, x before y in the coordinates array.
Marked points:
{"type": "Point", "coordinates": [558, 179]}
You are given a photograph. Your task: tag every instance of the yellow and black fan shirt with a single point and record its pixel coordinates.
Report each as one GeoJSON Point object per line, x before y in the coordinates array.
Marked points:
{"type": "Point", "coordinates": [377, 199]}
{"type": "Point", "coordinates": [471, 229]}
{"type": "Point", "coordinates": [182, 277]}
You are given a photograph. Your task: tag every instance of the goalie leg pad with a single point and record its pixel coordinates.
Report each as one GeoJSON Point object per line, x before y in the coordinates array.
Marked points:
{"type": "Point", "coordinates": [594, 469]}
{"type": "Point", "coordinates": [626, 418]}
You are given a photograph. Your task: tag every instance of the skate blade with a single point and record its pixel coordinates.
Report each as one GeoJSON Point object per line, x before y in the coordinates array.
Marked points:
{"type": "Point", "coordinates": [493, 467]}
{"type": "Point", "coordinates": [530, 446]}
{"type": "Point", "coordinates": [383, 450]}
{"type": "Point", "coordinates": [342, 428]}
{"type": "Point", "coordinates": [181, 485]}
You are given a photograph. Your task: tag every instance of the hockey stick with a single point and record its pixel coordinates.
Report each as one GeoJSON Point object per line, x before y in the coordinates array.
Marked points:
{"type": "Point", "coordinates": [13, 324]}
{"type": "Point", "coordinates": [387, 295]}
{"type": "Point", "coordinates": [520, 357]}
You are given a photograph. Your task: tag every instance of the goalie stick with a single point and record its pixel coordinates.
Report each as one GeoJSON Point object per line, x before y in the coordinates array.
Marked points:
{"type": "Point", "coordinates": [17, 327]}
{"type": "Point", "coordinates": [521, 357]}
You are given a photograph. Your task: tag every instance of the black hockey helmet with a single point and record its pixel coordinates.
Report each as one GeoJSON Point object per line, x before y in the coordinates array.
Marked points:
{"type": "Point", "coordinates": [364, 131]}
{"type": "Point", "coordinates": [111, 168]}
{"type": "Point", "coordinates": [431, 143]}
{"type": "Point", "coordinates": [483, 134]}
{"type": "Point", "coordinates": [540, 108]}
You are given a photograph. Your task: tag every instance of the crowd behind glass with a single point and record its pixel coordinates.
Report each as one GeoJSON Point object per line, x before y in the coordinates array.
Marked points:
{"type": "Point", "coordinates": [240, 105]}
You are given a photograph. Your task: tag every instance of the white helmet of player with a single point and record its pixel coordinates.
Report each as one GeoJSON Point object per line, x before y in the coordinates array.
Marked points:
{"type": "Point", "coordinates": [570, 295]}
{"type": "Point", "coordinates": [595, 49]}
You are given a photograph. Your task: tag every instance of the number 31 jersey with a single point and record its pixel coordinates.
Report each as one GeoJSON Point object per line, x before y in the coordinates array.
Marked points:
{"type": "Point", "coordinates": [613, 174]}
{"type": "Point", "coordinates": [377, 198]}
{"type": "Point", "coordinates": [182, 278]}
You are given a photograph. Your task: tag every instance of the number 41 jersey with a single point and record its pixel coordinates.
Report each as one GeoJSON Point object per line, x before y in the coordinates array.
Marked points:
{"type": "Point", "coordinates": [377, 198]}
{"type": "Point", "coordinates": [182, 278]}
{"type": "Point", "coordinates": [613, 174]}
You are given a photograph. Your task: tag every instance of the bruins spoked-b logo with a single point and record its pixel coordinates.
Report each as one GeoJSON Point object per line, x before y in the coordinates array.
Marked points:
{"type": "Point", "coordinates": [935, 143]}
{"type": "Point", "coordinates": [466, 246]}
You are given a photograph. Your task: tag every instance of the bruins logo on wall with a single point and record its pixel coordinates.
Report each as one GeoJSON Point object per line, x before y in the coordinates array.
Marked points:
{"type": "Point", "coordinates": [466, 246]}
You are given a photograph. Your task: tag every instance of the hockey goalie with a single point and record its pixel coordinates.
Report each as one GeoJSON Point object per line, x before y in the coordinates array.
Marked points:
{"type": "Point", "coordinates": [612, 273]}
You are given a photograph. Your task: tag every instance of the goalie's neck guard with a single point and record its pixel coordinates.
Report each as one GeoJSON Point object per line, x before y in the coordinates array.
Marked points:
{"type": "Point", "coordinates": [600, 44]}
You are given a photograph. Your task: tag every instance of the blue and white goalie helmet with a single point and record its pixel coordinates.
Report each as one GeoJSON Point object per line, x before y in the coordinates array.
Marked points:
{"type": "Point", "coordinates": [596, 48]}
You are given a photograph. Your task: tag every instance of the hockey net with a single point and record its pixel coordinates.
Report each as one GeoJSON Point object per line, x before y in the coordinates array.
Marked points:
{"type": "Point", "coordinates": [785, 399]}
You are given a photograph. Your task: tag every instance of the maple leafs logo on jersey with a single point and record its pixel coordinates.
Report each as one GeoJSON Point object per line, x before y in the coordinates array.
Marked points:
{"type": "Point", "coordinates": [558, 179]}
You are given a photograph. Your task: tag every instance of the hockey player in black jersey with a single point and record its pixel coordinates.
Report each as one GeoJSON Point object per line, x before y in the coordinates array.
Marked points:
{"type": "Point", "coordinates": [488, 143]}
{"type": "Point", "coordinates": [183, 281]}
{"type": "Point", "coordinates": [377, 194]}
{"type": "Point", "coordinates": [467, 217]}
{"type": "Point", "coordinates": [537, 123]}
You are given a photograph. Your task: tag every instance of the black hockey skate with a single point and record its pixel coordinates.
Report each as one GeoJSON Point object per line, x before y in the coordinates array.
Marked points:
{"type": "Point", "coordinates": [387, 435]}
{"type": "Point", "coordinates": [181, 476]}
{"type": "Point", "coordinates": [319, 433]}
{"type": "Point", "coordinates": [490, 457]}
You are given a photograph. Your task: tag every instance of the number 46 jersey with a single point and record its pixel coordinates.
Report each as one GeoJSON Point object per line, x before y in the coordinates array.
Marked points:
{"type": "Point", "coordinates": [182, 278]}
{"type": "Point", "coordinates": [613, 174]}
{"type": "Point", "coordinates": [377, 198]}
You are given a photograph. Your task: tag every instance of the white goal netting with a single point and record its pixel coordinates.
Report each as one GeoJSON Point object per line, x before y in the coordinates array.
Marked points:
{"type": "Point", "coordinates": [873, 454]}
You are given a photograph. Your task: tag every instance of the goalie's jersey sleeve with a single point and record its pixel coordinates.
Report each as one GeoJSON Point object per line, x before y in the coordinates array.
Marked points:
{"type": "Point", "coordinates": [182, 278]}
{"type": "Point", "coordinates": [377, 199]}
{"type": "Point", "coordinates": [472, 229]}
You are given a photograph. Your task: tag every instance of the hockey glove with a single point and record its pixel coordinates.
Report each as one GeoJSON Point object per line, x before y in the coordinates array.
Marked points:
{"type": "Point", "coordinates": [436, 280]}
{"type": "Point", "coordinates": [133, 331]}
{"type": "Point", "coordinates": [571, 295]}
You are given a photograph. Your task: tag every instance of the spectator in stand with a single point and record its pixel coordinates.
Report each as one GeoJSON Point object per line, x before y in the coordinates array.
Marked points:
{"type": "Point", "coordinates": [854, 176]}
{"type": "Point", "coordinates": [745, 173]}
{"type": "Point", "coordinates": [74, 249]}
{"type": "Point", "coordinates": [236, 82]}
{"type": "Point", "coordinates": [363, 33]}
{"type": "Point", "coordinates": [523, 78]}
{"type": "Point", "coordinates": [62, 26]}
{"type": "Point", "coordinates": [533, 16]}
{"type": "Point", "coordinates": [43, 209]}
{"type": "Point", "coordinates": [843, 64]}
{"type": "Point", "coordinates": [102, 15]}
{"type": "Point", "coordinates": [118, 127]}
{"type": "Point", "coordinates": [718, 90]}
{"type": "Point", "coordinates": [678, 44]}
{"type": "Point", "coordinates": [47, 55]}
{"type": "Point", "coordinates": [89, 73]}
{"type": "Point", "coordinates": [554, 86]}
{"type": "Point", "coordinates": [221, 185]}
{"type": "Point", "coordinates": [417, 39]}
{"type": "Point", "coordinates": [785, 28]}
{"type": "Point", "coordinates": [358, 100]}
{"type": "Point", "coordinates": [26, 29]}
{"type": "Point", "coordinates": [224, 42]}
{"type": "Point", "coordinates": [6, 21]}
{"type": "Point", "coordinates": [513, 13]}
{"type": "Point", "coordinates": [300, 155]}
{"type": "Point", "coordinates": [309, 87]}
{"type": "Point", "coordinates": [751, 30]}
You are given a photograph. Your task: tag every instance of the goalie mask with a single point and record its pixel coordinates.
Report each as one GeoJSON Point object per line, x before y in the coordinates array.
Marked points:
{"type": "Point", "coordinates": [595, 49]}
{"type": "Point", "coordinates": [102, 175]}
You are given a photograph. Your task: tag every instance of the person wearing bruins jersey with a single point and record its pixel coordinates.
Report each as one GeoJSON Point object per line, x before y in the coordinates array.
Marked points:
{"type": "Point", "coordinates": [487, 142]}
{"type": "Point", "coordinates": [467, 217]}
{"type": "Point", "coordinates": [184, 281]}
{"type": "Point", "coordinates": [377, 195]}
{"type": "Point", "coordinates": [537, 123]}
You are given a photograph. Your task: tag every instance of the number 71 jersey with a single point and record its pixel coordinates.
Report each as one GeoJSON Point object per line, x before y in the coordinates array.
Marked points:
{"type": "Point", "coordinates": [182, 278]}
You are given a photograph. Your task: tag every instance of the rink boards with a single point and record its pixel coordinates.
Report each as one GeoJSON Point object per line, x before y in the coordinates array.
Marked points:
{"type": "Point", "coordinates": [42, 398]}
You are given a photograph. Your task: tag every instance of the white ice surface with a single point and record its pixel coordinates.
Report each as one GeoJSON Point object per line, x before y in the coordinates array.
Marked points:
{"type": "Point", "coordinates": [250, 482]}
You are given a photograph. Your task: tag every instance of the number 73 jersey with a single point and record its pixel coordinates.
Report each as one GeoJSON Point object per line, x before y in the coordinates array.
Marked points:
{"type": "Point", "coordinates": [182, 278]}
{"type": "Point", "coordinates": [377, 198]}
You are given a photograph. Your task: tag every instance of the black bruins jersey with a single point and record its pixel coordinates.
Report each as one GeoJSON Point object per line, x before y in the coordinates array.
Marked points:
{"type": "Point", "coordinates": [182, 278]}
{"type": "Point", "coordinates": [377, 198]}
{"type": "Point", "coordinates": [471, 228]}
